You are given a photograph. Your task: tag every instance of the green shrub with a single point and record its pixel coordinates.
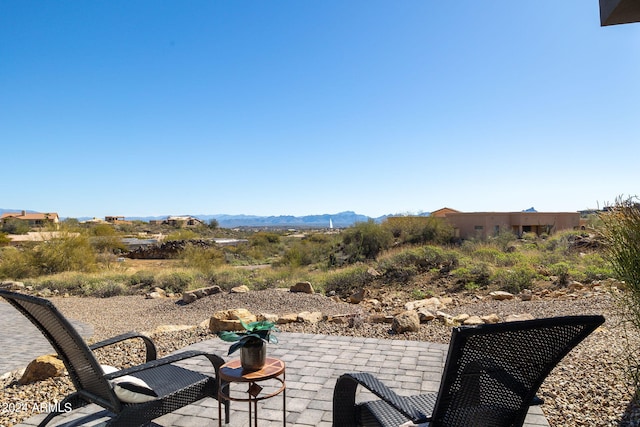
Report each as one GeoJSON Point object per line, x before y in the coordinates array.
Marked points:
{"type": "Point", "coordinates": [621, 236]}
{"type": "Point", "coordinates": [365, 240]}
{"type": "Point", "coordinates": [68, 253]}
{"type": "Point", "coordinates": [345, 281]}
{"type": "Point", "coordinates": [142, 279]}
{"type": "Point", "coordinates": [17, 264]}
{"type": "Point", "coordinates": [561, 271]}
{"type": "Point", "coordinates": [177, 281]}
{"type": "Point", "coordinates": [514, 279]}
{"type": "Point", "coordinates": [201, 259]}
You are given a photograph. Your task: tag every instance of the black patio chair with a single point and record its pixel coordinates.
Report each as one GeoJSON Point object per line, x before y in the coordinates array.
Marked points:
{"type": "Point", "coordinates": [490, 378]}
{"type": "Point", "coordinates": [165, 387]}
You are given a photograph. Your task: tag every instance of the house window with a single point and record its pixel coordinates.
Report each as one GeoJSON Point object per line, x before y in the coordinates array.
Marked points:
{"type": "Point", "coordinates": [496, 229]}
{"type": "Point", "coordinates": [478, 228]}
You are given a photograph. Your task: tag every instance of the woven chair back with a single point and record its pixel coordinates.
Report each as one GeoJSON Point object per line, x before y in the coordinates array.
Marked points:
{"type": "Point", "coordinates": [84, 370]}
{"type": "Point", "coordinates": [493, 372]}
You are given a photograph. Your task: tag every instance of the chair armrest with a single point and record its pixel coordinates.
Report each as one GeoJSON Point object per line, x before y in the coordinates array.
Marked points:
{"type": "Point", "coordinates": [151, 352]}
{"type": "Point", "coordinates": [344, 397]}
{"type": "Point", "coordinates": [215, 360]}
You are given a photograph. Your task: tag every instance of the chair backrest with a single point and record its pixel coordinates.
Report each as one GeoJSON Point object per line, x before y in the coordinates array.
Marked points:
{"type": "Point", "coordinates": [84, 370]}
{"type": "Point", "coordinates": [493, 372]}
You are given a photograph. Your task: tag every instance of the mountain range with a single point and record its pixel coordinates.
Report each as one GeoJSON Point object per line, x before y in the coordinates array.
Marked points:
{"type": "Point", "coordinates": [338, 220]}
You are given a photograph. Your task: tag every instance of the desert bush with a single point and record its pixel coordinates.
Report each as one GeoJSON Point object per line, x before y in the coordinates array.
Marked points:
{"type": "Point", "coordinates": [142, 279]}
{"type": "Point", "coordinates": [15, 226]}
{"type": "Point", "coordinates": [178, 281]}
{"type": "Point", "coordinates": [621, 236]}
{"type": "Point", "coordinates": [561, 271]}
{"type": "Point", "coordinates": [201, 259]}
{"type": "Point", "coordinates": [514, 279]}
{"type": "Point", "coordinates": [182, 234]}
{"type": "Point", "coordinates": [67, 253]}
{"type": "Point", "coordinates": [17, 264]}
{"type": "Point", "coordinates": [230, 277]}
{"type": "Point", "coordinates": [365, 240]}
{"type": "Point", "coordinates": [4, 239]}
{"type": "Point", "coordinates": [419, 229]}
{"type": "Point", "coordinates": [346, 280]}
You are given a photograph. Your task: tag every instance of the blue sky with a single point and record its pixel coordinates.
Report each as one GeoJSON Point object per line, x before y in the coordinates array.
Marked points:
{"type": "Point", "coordinates": [143, 108]}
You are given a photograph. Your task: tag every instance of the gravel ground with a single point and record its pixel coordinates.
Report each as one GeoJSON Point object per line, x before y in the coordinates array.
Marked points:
{"type": "Point", "coordinates": [589, 387]}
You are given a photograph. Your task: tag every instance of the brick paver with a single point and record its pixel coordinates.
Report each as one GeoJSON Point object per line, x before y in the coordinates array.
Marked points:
{"type": "Point", "coordinates": [314, 362]}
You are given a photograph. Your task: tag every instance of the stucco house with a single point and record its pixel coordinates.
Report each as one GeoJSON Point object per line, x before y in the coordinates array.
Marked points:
{"type": "Point", "coordinates": [35, 219]}
{"type": "Point", "coordinates": [484, 224]}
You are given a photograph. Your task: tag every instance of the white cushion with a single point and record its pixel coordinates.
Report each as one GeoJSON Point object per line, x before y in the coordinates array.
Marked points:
{"type": "Point", "coordinates": [130, 389]}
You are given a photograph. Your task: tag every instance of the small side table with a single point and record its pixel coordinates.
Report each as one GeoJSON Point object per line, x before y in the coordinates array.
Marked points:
{"type": "Point", "coordinates": [232, 372]}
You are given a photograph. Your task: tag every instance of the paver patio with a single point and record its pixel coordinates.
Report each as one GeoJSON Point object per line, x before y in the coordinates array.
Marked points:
{"type": "Point", "coordinates": [313, 363]}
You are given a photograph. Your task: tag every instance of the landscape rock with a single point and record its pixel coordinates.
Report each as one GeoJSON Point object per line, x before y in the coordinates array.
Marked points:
{"type": "Point", "coordinates": [518, 317]}
{"type": "Point", "coordinates": [491, 318]}
{"type": "Point", "coordinates": [501, 295]}
{"type": "Point", "coordinates": [12, 285]}
{"type": "Point", "coordinates": [425, 315]}
{"type": "Point", "coordinates": [304, 287]}
{"type": "Point", "coordinates": [269, 317]}
{"type": "Point", "coordinates": [242, 289]}
{"type": "Point", "coordinates": [473, 320]}
{"type": "Point", "coordinates": [309, 317]}
{"type": "Point", "coordinates": [526, 295]}
{"type": "Point", "coordinates": [41, 368]}
{"type": "Point", "coordinates": [380, 318]}
{"type": "Point", "coordinates": [357, 297]}
{"type": "Point", "coordinates": [407, 321]}
{"type": "Point", "coordinates": [432, 304]}
{"type": "Point", "coordinates": [227, 320]}
{"type": "Point", "coordinates": [287, 318]}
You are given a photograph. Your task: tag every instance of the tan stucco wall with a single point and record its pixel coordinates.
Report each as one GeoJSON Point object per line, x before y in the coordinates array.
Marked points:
{"type": "Point", "coordinates": [483, 224]}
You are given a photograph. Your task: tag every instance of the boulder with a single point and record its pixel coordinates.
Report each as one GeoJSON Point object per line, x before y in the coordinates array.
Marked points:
{"type": "Point", "coordinates": [189, 297]}
{"type": "Point", "coordinates": [431, 304]}
{"type": "Point", "coordinates": [526, 295]}
{"type": "Point", "coordinates": [242, 289]}
{"type": "Point", "coordinates": [518, 317]}
{"type": "Point", "coordinates": [473, 320]}
{"type": "Point", "coordinates": [357, 296]}
{"type": "Point", "coordinates": [303, 287]}
{"type": "Point", "coordinates": [500, 295]}
{"type": "Point", "coordinates": [407, 321]}
{"type": "Point", "coordinates": [269, 317]}
{"type": "Point", "coordinates": [309, 317]}
{"type": "Point", "coordinates": [491, 318]}
{"type": "Point", "coordinates": [287, 318]}
{"type": "Point", "coordinates": [227, 320]}
{"type": "Point", "coordinates": [41, 368]}
{"type": "Point", "coordinates": [12, 286]}
{"type": "Point", "coordinates": [425, 315]}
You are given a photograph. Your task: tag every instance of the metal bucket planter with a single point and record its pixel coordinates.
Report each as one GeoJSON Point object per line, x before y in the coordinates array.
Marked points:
{"type": "Point", "coordinates": [253, 355]}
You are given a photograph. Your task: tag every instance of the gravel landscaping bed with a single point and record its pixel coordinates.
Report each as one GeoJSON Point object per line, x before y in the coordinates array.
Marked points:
{"type": "Point", "coordinates": [589, 387]}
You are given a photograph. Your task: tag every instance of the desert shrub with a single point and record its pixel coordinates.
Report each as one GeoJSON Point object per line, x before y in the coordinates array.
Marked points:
{"type": "Point", "coordinates": [419, 229]}
{"type": "Point", "coordinates": [365, 240]}
{"type": "Point", "coordinates": [347, 280]}
{"type": "Point", "coordinates": [406, 263]}
{"type": "Point", "coordinates": [182, 234]}
{"type": "Point", "coordinates": [596, 267]}
{"type": "Point", "coordinates": [177, 281]}
{"type": "Point", "coordinates": [263, 238]}
{"type": "Point", "coordinates": [621, 236]}
{"type": "Point", "coordinates": [142, 279]}
{"type": "Point", "coordinates": [514, 279]}
{"type": "Point", "coordinates": [17, 264]}
{"type": "Point", "coordinates": [110, 289]}
{"type": "Point", "coordinates": [202, 259]}
{"type": "Point", "coordinates": [228, 277]}
{"type": "Point", "coordinates": [4, 239]}
{"type": "Point", "coordinates": [67, 253]}
{"type": "Point", "coordinates": [561, 271]}
{"type": "Point", "coordinates": [15, 226]}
